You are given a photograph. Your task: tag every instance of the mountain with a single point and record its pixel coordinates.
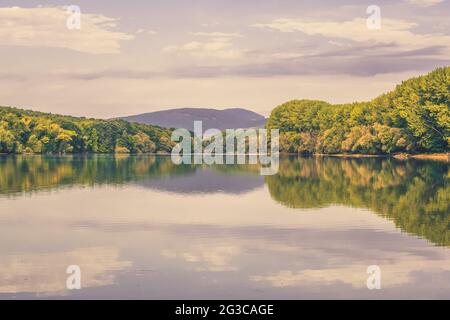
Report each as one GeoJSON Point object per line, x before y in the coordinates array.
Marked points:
{"type": "Point", "coordinates": [234, 118]}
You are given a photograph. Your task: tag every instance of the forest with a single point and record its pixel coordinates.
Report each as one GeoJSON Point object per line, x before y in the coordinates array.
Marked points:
{"type": "Point", "coordinates": [413, 118]}
{"type": "Point", "coordinates": [23, 131]}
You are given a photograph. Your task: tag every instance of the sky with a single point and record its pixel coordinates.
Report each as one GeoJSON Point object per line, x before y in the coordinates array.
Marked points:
{"type": "Point", "coordinates": [131, 57]}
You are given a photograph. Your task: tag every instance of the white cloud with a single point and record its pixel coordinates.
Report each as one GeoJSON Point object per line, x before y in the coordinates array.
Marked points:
{"type": "Point", "coordinates": [217, 45]}
{"type": "Point", "coordinates": [337, 43]}
{"type": "Point", "coordinates": [425, 3]}
{"type": "Point", "coordinates": [143, 31]}
{"type": "Point", "coordinates": [216, 34]}
{"type": "Point", "coordinates": [47, 27]}
{"type": "Point", "coordinates": [392, 32]}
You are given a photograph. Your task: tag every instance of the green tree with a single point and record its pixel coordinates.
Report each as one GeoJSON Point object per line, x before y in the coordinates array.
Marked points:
{"type": "Point", "coordinates": [143, 143]}
{"type": "Point", "coordinates": [415, 117]}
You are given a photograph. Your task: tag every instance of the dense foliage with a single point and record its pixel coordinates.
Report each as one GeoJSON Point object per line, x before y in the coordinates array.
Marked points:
{"type": "Point", "coordinates": [415, 117]}
{"type": "Point", "coordinates": [23, 131]}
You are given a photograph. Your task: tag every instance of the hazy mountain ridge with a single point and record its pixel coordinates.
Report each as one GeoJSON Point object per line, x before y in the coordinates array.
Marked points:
{"type": "Point", "coordinates": [233, 118]}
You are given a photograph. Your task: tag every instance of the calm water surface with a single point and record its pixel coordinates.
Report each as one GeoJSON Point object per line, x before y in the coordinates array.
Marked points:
{"type": "Point", "coordinates": [141, 227]}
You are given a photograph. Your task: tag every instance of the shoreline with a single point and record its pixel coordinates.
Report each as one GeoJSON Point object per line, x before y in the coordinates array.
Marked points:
{"type": "Point", "coordinates": [432, 156]}
{"type": "Point", "coordinates": [444, 157]}
{"type": "Point", "coordinates": [350, 155]}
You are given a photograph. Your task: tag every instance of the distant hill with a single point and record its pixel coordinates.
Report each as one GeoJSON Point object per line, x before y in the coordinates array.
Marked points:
{"type": "Point", "coordinates": [234, 118]}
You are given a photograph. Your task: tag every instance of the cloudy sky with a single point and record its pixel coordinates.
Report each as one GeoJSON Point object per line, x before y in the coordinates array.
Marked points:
{"type": "Point", "coordinates": [135, 56]}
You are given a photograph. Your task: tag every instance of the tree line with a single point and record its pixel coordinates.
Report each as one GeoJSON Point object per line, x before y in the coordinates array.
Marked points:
{"type": "Point", "coordinates": [23, 131]}
{"type": "Point", "coordinates": [413, 118]}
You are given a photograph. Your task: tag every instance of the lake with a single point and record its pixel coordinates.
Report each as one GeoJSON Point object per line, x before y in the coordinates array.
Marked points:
{"type": "Point", "coordinates": [140, 227]}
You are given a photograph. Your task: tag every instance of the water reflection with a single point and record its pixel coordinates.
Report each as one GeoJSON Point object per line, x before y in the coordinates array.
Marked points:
{"type": "Point", "coordinates": [23, 174]}
{"type": "Point", "coordinates": [140, 227]}
{"type": "Point", "coordinates": [414, 194]}
{"type": "Point", "coordinates": [41, 273]}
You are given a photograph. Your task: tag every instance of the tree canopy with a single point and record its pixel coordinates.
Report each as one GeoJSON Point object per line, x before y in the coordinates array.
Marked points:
{"type": "Point", "coordinates": [23, 131]}
{"type": "Point", "coordinates": [415, 117]}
